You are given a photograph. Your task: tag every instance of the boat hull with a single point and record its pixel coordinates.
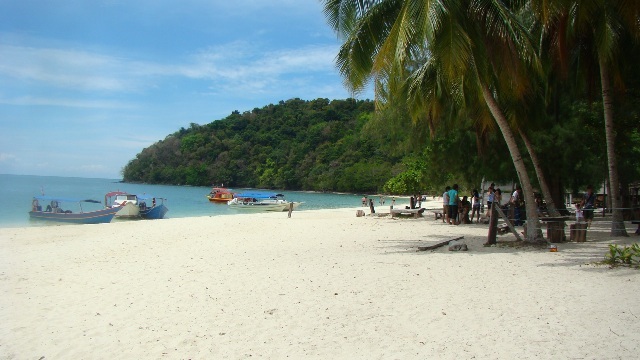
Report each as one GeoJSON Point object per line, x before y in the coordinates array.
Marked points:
{"type": "Point", "coordinates": [128, 210]}
{"type": "Point", "coordinates": [258, 207]}
{"type": "Point", "coordinates": [220, 195]}
{"type": "Point", "coordinates": [152, 213]}
{"type": "Point", "coordinates": [92, 217]}
{"type": "Point", "coordinates": [221, 200]}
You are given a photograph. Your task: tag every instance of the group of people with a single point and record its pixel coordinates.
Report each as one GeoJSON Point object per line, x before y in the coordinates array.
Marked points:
{"type": "Point", "coordinates": [456, 210]}
{"type": "Point", "coordinates": [516, 202]}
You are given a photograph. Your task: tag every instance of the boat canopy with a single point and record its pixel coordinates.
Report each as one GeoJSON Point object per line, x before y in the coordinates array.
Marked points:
{"type": "Point", "coordinates": [115, 193]}
{"type": "Point", "coordinates": [217, 189]}
{"type": "Point", "coordinates": [62, 199]}
{"type": "Point", "coordinates": [148, 197]}
{"type": "Point", "coordinates": [259, 195]}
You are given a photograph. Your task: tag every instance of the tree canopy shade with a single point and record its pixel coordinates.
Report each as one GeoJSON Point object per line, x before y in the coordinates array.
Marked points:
{"type": "Point", "coordinates": [476, 46]}
{"type": "Point", "coordinates": [603, 27]}
{"type": "Point", "coordinates": [446, 57]}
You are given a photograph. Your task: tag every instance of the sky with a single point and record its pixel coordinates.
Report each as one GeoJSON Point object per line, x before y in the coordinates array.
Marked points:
{"type": "Point", "coordinates": [86, 85]}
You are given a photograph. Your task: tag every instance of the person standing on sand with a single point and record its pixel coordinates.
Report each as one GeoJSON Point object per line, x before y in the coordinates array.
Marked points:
{"type": "Point", "coordinates": [475, 198]}
{"type": "Point", "coordinates": [588, 205]}
{"type": "Point", "coordinates": [445, 204]}
{"type": "Point", "coordinates": [516, 201]}
{"type": "Point", "coordinates": [453, 205]}
{"type": "Point", "coordinates": [491, 197]}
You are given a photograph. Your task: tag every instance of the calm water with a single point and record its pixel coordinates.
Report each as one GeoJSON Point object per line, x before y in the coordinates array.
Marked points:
{"type": "Point", "coordinates": [182, 201]}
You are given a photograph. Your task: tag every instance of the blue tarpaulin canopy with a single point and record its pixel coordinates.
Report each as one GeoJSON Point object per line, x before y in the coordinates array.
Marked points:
{"type": "Point", "coordinates": [258, 195]}
{"type": "Point", "coordinates": [147, 197]}
{"type": "Point", "coordinates": [63, 199]}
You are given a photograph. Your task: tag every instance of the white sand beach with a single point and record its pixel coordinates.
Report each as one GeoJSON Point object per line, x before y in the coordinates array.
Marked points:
{"type": "Point", "coordinates": [321, 284]}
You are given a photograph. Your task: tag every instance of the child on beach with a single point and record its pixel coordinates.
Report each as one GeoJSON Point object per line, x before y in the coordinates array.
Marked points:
{"type": "Point", "coordinates": [579, 214]}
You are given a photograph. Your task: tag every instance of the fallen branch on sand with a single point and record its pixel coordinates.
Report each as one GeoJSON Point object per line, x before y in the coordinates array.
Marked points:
{"type": "Point", "coordinates": [437, 245]}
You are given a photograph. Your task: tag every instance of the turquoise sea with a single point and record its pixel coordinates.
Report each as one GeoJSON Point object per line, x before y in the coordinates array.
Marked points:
{"type": "Point", "coordinates": [182, 201]}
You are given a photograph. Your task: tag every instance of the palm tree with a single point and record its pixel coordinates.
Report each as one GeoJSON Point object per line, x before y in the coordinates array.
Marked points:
{"type": "Point", "coordinates": [476, 42]}
{"type": "Point", "coordinates": [601, 25]}
{"type": "Point", "coordinates": [542, 181]}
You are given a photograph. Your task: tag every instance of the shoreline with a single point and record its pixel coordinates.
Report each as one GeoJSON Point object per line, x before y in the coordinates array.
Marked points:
{"type": "Point", "coordinates": [323, 283]}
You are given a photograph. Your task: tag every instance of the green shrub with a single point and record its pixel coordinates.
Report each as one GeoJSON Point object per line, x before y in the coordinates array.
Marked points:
{"type": "Point", "coordinates": [627, 255]}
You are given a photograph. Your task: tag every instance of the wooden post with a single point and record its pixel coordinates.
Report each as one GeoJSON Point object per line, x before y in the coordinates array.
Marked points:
{"type": "Point", "coordinates": [493, 225]}
{"type": "Point", "coordinates": [508, 222]}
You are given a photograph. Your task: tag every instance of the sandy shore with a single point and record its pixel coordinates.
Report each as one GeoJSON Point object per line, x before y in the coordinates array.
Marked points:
{"type": "Point", "coordinates": [321, 284]}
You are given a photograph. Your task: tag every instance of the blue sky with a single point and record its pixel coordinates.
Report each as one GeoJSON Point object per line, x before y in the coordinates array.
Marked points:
{"type": "Point", "coordinates": [86, 85]}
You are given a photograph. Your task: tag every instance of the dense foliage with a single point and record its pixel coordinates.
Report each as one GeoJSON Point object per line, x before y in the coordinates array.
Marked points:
{"type": "Point", "coordinates": [296, 144]}
{"type": "Point", "coordinates": [343, 145]}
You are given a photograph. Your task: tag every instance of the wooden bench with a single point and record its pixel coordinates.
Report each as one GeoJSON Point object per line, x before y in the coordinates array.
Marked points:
{"type": "Point", "coordinates": [636, 222]}
{"type": "Point", "coordinates": [555, 228]}
{"type": "Point", "coordinates": [578, 232]}
{"type": "Point", "coordinates": [414, 212]}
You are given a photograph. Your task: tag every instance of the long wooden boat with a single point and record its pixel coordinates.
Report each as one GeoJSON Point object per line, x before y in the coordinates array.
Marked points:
{"type": "Point", "coordinates": [54, 212]}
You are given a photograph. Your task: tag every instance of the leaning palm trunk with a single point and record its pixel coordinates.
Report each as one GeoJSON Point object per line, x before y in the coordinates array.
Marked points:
{"type": "Point", "coordinates": [534, 232]}
{"type": "Point", "coordinates": [544, 188]}
{"type": "Point", "coordinates": [617, 221]}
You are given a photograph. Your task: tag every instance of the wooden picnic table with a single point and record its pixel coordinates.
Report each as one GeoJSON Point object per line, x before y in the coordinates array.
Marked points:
{"type": "Point", "coordinates": [555, 228]}
{"type": "Point", "coordinates": [414, 212]}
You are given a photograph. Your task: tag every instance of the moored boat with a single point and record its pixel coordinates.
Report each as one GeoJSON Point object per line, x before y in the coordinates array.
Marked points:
{"type": "Point", "coordinates": [220, 195]}
{"type": "Point", "coordinates": [54, 212]}
{"type": "Point", "coordinates": [128, 204]}
{"type": "Point", "coordinates": [151, 207]}
{"type": "Point", "coordinates": [261, 202]}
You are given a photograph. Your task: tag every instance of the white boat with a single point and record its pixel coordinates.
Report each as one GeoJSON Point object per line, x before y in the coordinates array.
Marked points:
{"type": "Point", "coordinates": [128, 204]}
{"type": "Point", "coordinates": [261, 202]}
{"type": "Point", "coordinates": [134, 206]}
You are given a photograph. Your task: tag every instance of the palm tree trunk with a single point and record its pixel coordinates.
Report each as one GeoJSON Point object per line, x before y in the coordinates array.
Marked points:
{"type": "Point", "coordinates": [534, 232]}
{"type": "Point", "coordinates": [617, 221]}
{"type": "Point", "coordinates": [544, 188]}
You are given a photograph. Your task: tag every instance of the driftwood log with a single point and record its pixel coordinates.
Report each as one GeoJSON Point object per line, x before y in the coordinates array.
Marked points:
{"type": "Point", "coordinates": [439, 244]}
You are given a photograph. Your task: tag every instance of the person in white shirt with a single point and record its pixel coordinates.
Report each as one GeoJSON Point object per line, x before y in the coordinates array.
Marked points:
{"type": "Point", "coordinates": [445, 204]}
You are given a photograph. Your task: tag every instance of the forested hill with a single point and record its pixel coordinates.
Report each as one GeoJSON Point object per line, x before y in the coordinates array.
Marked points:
{"type": "Point", "coordinates": [295, 145]}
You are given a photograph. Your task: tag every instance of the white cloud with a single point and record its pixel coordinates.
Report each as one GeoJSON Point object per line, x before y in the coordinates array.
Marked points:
{"type": "Point", "coordinates": [6, 157]}
{"type": "Point", "coordinates": [77, 103]}
{"type": "Point", "coordinates": [64, 68]}
{"type": "Point", "coordinates": [230, 65]}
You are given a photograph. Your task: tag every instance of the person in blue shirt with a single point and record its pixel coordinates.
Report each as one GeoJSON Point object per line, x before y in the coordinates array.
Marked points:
{"type": "Point", "coordinates": [453, 205]}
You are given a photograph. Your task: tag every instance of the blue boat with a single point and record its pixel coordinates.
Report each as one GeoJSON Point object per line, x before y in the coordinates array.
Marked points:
{"type": "Point", "coordinates": [54, 212]}
{"type": "Point", "coordinates": [151, 207]}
